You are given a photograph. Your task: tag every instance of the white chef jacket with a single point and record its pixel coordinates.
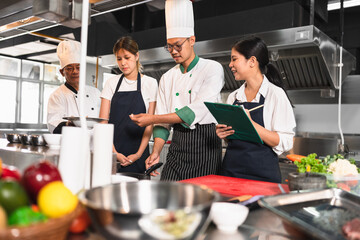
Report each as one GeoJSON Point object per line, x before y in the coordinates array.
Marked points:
{"type": "Point", "coordinates": [149, 88]}
{"type": "Point", "coordinates": [278, 115]}
{"type": "Point", "coordinates": [202, 83]}
{"type": "Point", "coordinates": [65, 103]}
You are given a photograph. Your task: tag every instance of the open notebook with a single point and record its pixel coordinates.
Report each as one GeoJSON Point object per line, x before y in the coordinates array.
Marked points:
{"type": "Point", "coordinates": [236, 117]}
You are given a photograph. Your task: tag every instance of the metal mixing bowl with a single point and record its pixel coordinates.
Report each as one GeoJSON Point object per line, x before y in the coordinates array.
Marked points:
{"type": "Point", "coordinates": [25, 139]}
{"type": "Point", "coordinates": [13, 137]}
{"type": "Point", "coordinates": [130, 210]}
{"type": "Point", "coordinates": [37, 140]}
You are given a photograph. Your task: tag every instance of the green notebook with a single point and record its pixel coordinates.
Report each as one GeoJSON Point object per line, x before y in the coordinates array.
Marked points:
{"type": "Point", "coordinates": [236, 117]}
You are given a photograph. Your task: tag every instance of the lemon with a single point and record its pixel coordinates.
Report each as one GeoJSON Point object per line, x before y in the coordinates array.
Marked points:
{"type": "Point", "coordinates": [55, 200]}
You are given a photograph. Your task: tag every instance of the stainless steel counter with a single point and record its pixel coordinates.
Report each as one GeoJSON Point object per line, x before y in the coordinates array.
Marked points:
{"type": "Point", "coordinates": [22, 156]}
{"type": "Point", "coordinates": [260, 224]}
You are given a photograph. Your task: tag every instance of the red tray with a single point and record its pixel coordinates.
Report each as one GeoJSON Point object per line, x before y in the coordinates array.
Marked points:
{"type": "Point", "coordinates": [238, 186]}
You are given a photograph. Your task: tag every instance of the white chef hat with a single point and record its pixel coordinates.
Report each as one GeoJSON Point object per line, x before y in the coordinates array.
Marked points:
{"type": "Point", "coordinates": [179, 18]}
{"type": "Point", "coordinates": [68, 52]}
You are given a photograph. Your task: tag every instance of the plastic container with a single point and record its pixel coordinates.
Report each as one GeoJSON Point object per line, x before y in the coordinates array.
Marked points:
{"type": "Point", "coordinates": [350, 183]}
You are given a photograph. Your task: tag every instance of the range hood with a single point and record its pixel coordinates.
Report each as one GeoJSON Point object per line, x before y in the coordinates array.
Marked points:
{"type": "Point", "coordinates": [305, 56]}
{"type": "Point", "coordinates": [20, 17]}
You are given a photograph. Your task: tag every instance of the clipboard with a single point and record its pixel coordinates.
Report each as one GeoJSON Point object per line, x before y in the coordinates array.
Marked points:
{"type": "Point", "coordinates": [236, 117]}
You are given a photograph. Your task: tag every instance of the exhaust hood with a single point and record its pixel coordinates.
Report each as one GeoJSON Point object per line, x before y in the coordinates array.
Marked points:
{"type": "Point", "coordinates": [305, 56]}
{"type": "Point", "coordinates": [20, 17]}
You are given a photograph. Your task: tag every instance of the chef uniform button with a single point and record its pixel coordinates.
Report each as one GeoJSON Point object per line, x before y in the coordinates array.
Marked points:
{"type": "Point", "coordinates": [75, 96]}
{"type": "Point", "coordinates": [189, 91]}
{"type": "Point", "coordinates": [177, 94]}
{"type": "Point", "coordinates": [87, 95]}
{"type": "Point", "coordinates": [92, 109]}
{"type": "Point", "coordinates": [176, 109]}
{"type": "Point", "coordinates": [190, 75]}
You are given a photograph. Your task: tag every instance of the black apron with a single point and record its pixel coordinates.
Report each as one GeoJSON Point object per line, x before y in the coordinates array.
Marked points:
{"type": "Point", "coordinates": [251, 160]}
{"type": "Point", "coordinates": [192, 153]}
{"type": "Point", "coordinates": [128, 135]}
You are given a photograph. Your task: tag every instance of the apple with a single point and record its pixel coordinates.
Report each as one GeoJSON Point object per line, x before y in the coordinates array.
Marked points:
{"type": "Point", "coordinates": [38, 175]}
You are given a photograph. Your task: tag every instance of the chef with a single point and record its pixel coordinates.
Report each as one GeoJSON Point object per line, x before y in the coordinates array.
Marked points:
{"type": "Point", "coordinates": [195, 149]}
{"type": "Point", "coordinates": [64, 101]}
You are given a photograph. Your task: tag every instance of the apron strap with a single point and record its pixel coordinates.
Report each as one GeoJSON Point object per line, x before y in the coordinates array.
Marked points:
{"type": "Point", "coordinates": [119, 83]}
{"type": "Point", "coordinates": [139, 82]}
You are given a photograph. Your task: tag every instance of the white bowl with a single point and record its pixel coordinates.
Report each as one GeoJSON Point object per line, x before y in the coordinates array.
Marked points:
{"type": "Point", "coordinates": [120, 178]}
{"type": "Point", "coordinates": [228, 216]}
{"type": "Point", "coordinates": [52, 140]}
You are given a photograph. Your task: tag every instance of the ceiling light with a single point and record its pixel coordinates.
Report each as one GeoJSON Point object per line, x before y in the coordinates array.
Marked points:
{"type": "Point", "coordinates": [347, 4]}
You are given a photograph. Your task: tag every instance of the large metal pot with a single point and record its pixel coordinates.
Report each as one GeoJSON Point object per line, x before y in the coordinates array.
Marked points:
{"type": "Point", "coordinates": [130, 210]}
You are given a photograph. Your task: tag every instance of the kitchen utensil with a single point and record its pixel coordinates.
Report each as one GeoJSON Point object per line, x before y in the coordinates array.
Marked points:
{"type": "Point", "coordinates": [145, 175]}
{"type": "Point", "coordinates": [37, 140]}
{"type": "Point", "coordinates": [125, 210]}
{"type": "Point", "coordinates": [89, 121]}
{"type": "Point", "coordinates": [228, 216]}
{"type": "Point", "coordinates": [304, 181]}
{"type": "Point", "coordinates": [25, 139]}
{"type": "Point", "coordinates": [320, 213]}
{"type": "Point", "coordinates": [13, 137]}
{"type": "Point", "coordinates": [52, 140]}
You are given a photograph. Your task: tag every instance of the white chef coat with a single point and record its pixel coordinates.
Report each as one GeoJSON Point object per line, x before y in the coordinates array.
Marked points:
{"type": "Point", "coordinates": [65, 103]}
{"type": "Point", "coordinates": [278, 115]}
{"type": "Point", "coordinates": [202, 83]}
{"type": "Point", "coordinates": [149, 88]}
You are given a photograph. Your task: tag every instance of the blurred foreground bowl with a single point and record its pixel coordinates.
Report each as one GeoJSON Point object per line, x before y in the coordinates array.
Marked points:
{"type": "Point", "coordinates": [149, 209]}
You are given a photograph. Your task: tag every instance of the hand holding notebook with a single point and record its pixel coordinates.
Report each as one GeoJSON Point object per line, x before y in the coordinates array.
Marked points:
{"type": "Point", "coordinates": [236, 117]}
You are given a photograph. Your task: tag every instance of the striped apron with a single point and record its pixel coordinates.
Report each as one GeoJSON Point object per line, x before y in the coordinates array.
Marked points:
{"type": "Point", "coordinates": [192, 153]}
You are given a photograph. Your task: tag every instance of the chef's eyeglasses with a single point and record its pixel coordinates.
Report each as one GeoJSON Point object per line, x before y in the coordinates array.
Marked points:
{"type": "Point", "coordinates": [177, 47]}
{"type": "Point", "coordinates": [72, 68]}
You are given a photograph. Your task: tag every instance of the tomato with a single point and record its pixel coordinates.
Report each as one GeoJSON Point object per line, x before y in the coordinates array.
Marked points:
{"type": "Point", "coordinates": [343, 186]}
{"type": "Point", "coordinates": [12, 196]}
{"type": "Point", "coordinates": [10, 172]}
{"type": "Point", "coordinates": [295, 157]}
{"type": "Point", "coordinates": [81, 222]}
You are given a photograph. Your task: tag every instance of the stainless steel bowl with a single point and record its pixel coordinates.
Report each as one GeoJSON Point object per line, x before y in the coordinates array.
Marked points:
{"type": "Point", "coordinates": [131, 210]}
{"type": "Point", "coordinates": [37, 140]}
{"type": "Point", "coordinates": [25, 139]}
{"type": "Point", "coordinates": [13, 137]}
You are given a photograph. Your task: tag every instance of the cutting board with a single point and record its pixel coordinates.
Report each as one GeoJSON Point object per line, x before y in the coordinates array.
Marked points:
{"type": "Point", "coordinates": [237, 186]}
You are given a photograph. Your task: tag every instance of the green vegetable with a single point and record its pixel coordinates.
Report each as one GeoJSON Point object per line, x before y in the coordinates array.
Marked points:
{"type": "Point", "coordinates": [315, 164]}
{"type": "Point", "coordinates": [25, 216]}
{"type": "Point", "coordinates": [320, 165]}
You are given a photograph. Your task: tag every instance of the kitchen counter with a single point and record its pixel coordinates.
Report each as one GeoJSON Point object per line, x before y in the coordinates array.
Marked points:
{"type": "Point", "coordinates": [22, 156]}
{"type": "Point", "coordinates": [260, 224]}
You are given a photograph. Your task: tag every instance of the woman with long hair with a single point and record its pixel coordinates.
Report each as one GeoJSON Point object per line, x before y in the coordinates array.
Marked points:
{"type": "Point", "coordinates": [125, 94]}
{"type": "Point", "coordinates": [274, 119]}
